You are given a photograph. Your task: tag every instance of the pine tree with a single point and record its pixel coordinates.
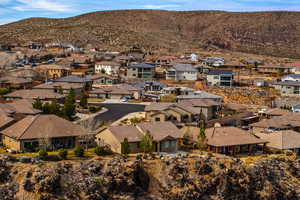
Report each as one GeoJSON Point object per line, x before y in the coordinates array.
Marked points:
{"type": "Point", "coordinates": [83, 100]}
{"type": "Point", "coordinates": [69, 106]}
{"type": "Point", "coordinates": [54, 108]}
{"type": "Point", "coordinates": [202, 135]}
{"type": "Point", "coordinates": [125, 148]}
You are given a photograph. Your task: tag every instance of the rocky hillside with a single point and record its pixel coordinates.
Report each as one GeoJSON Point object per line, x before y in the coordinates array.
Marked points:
{"type": "Point", "coordinates": [201, 177]}
{"type": "Point", "coordinates": [268, 33]}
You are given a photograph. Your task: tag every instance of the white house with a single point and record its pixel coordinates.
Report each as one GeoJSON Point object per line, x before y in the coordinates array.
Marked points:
{"type": "Point", "coordinates": [182, 72]}
{"type": "Point", "coordinates": [107, 67]}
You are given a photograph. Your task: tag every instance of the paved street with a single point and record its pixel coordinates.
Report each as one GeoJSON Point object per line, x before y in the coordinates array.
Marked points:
{"type": "Point", "coordinates": [117, 111]}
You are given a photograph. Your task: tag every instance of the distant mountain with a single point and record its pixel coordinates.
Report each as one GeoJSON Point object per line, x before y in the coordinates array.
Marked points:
{"type": "Point", "coordinates": [268, 33]}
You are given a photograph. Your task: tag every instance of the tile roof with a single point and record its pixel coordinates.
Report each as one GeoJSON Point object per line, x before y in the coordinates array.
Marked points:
{"type": "Point", "coordinates": [230, 136]}
{"type": "Point", "coordinates": [286, 139]}
{"type": "Point", "coordinates": [285, 121]}
{"type": "Point", "coordinates": [24, 106]}
{"type": "Point", "coordinates": [63, 85]}
{"type": "Point", "coordinates": [73, 79]}
{"type": "Point", "coordinates": [184, 67]}
{"type": "Point", "coordinates": [141, 65]}
{"type": "Point", "coordinates": [201, 102]}
{"type": "Point", "coordinates": [220, 72]}
{"type": "Point", "coordinates": [287, 83]}
{"type": "Point", "coordinates": [277, 112]}
{"type": "Point", "coordinates": [34, 94]}
{"type": "Point", "coordinates": [4, 119]}
{"type": "Point", "coordinates": [134, 133]}
{"type": "Point", "coordinates": [200, 95]}
{"type": "Point", "coordinates": [41, 126]}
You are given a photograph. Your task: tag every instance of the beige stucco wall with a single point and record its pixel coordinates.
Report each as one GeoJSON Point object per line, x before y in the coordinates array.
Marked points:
{"type": "Point", "coordinates": [11, 143]}
{"type": "Point", "coordinates": [107, 138]}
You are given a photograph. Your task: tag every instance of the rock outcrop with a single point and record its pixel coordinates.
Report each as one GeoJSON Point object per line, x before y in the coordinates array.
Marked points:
{"type": "Point", "coordinates": [177, 178]}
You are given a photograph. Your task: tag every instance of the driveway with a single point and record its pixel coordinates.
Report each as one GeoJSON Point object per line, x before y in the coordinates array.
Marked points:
{"type": "Point", "coordinates": [117, 111]}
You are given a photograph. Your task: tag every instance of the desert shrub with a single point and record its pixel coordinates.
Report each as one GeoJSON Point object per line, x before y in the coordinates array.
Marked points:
{"type": "Point", "coordinates": [63, 154]}
{"type": "Point", "coordinates": [79, 151]}
{"type": "Point", "coordinates": [100, 151]}
{"type": "Point", "coordinates": [43, 154]}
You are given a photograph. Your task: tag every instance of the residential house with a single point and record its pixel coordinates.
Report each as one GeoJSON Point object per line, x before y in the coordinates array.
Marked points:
{"type": "Point", "coordinates": [34, 131]}
{"type": "Point", "coordinates": [141, 70]}
{"type": "Point", "coordinates": [99, 79]}
{"type": "Point", "coordinates": [276, 112]}
{"type": "Point", "coordinates": [214, 61]}
{"type": "Point", "coordinates": [177, 91]}
{"type": "Point", "coordinates": [289, 121]}
{"type": "Point", "coordinates": [76, 79]}
{"type": "Point", "coordinates": [110, 93]}
{"type": "Point", "coordinates": [150, 86]}
{"type": "Point", "coordinates": [61, 87]}
{"type": "Point", "coordinates": [182, 72]}
{"type": "Point", "coordinates": [14, 82]}
{"type": "Point", "coordinates": [190, 111]}
{"type": "Point", "coordinates": [199, 95]}
{"type": "Point", "coordinates": [288, 88]}
{"type": "Point", "coordinates": [53, 71]}
{"type": "Point", "coordinates": [107, 67]}
{"type": "Point", "coordinates": [226, 140]}
{"type": "Point", "coordinates": [220, 77]}
{"type": "Point", "coordinates": [23, 107]}
{"type": "Point", "coordinates": [44, 95]}
{"type": "Point", "coordinates": [242, 120]}
{"type": "Point", "coordinates": [25, 73]}
{"type": "Point", "coordinates": [165, 136]}
{"type": "Point", "coordinates": [281, 140]}
{"type": "Point", "coordinates": [164, 60]}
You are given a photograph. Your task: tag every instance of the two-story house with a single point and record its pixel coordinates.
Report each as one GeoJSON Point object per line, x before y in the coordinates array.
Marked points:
{"type": "Point", "coordinates": [182, 72]}
{"type": "Point", "coordinates": [107, 67]}
{"type": "Point", "coordinates": [140, 70]}
{"type": "Point", "coordinates": [220, 77]}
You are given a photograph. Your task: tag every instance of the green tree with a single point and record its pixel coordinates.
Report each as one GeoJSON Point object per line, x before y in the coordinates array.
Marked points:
{"type": "Point", "coordinates": [43, 154]}
{"type": "Point", "coordinates": [61, 91]}
{"type": "Point", "coordinates": [79, 151]}
{"type": "Point", "coordinates": [37, 104]}
{"type": "Point", "coordinates": [202, 135]}
{"type": "Point", "coordinates": [125, 147]}
{"type": "Point", "coordinates": [63, 154]}
{"type": "Point", "coordinates": [147, 143]}
{"type": "Point", "coordinates": [69, 106]}
{"type": "Point", "coordinates": [54, 108]}
{"type": "Point", "coordinates": [100, 151]}
{"type": "Point", "coordinates": [83, 100]}
{"type": "Point", "coordinates": [46, 108]}
{"type": "Point", "coordinates": [135, 120]}
{"type": "Point", "coordinates": [4, 91]}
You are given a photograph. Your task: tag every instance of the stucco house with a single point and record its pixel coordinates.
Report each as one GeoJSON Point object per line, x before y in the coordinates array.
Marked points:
{"type": "Point", "coordinates": [182, 72]}
{"type": "Point", "coordinates": [140, 71]}
{"type": "Point", "coordinates": [165, 136]}
{"type": "Point", "coordinates": [107, 67]}
{"type": "Point", "coordinates": [35, 131]}
{"type": "Point", "coordinates": [220, 77]}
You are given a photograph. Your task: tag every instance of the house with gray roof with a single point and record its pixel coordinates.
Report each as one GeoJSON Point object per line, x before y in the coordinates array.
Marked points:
{"type": "Point", "coordinates": [76, 79]}
{"type": "Point", "coordinates": [182, 72]}
{"type": "Point", "coordinates": [140, 71]}
{"type": "Point", "coordinates": [288, 88]}
{"type": "Point", "coordinates": [291, 77]}
{"type": "Point", "coordinates": [220, 77]}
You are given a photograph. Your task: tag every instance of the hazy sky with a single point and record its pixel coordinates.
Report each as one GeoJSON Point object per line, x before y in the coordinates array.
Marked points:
{"type": "Point", "coordinates": [13, 10]}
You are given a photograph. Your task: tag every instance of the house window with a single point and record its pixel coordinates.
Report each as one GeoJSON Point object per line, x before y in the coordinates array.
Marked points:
{"type": "Point", "coordinates": [133, 74]}
{"type": "Point", "coordinates": [157, 119]}
{"type": "Point", "coordinates": [216, 77]}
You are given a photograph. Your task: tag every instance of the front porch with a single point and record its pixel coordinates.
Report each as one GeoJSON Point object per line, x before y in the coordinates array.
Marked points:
{"type": "Point", "coordinates": [237, 149]}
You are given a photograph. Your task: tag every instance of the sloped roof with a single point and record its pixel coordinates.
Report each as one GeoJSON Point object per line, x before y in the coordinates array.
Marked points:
{"type": "Point", "coordinates": [220, 72]}
{"type": "Point", "coordinates": [277, 112]}
{"type": "Point", "coordinates": [43, 126]}
{"type": "Point", "coordinates": [130, 132]}
{"type": "Point", "coordinates": [158, 106]}
{"type": "Point", "coordinates": [141, 65]}
{"type": "Point", "coordinates": [284, 121]}
{"type": "Point", "coordinates": [184, 67]}
{"type": "Point", "coordinates": [34, 94]}
{"type": "Point", "coordinates": [73, 79]}
{"type": "Point", "coordinates": [24, 106]}
{"type": "Point", "coordinates": [286, 139]}
{"type": "Point", "coordinates": [160, 130]}
{"type": "Point", "coordinates": [4, 118]}
{"type": "Point", "coordinates": [201, 102]}
{"type": "Point", "coordinates": [230, 136]}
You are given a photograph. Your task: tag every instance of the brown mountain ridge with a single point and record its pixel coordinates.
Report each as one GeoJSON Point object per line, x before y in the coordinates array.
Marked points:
{"type": "Point", "coordinates": [267, 33]}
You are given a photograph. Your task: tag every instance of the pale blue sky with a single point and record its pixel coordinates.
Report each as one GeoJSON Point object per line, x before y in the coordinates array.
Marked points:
{"type": "Point", "coordinates": [13, 10]}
